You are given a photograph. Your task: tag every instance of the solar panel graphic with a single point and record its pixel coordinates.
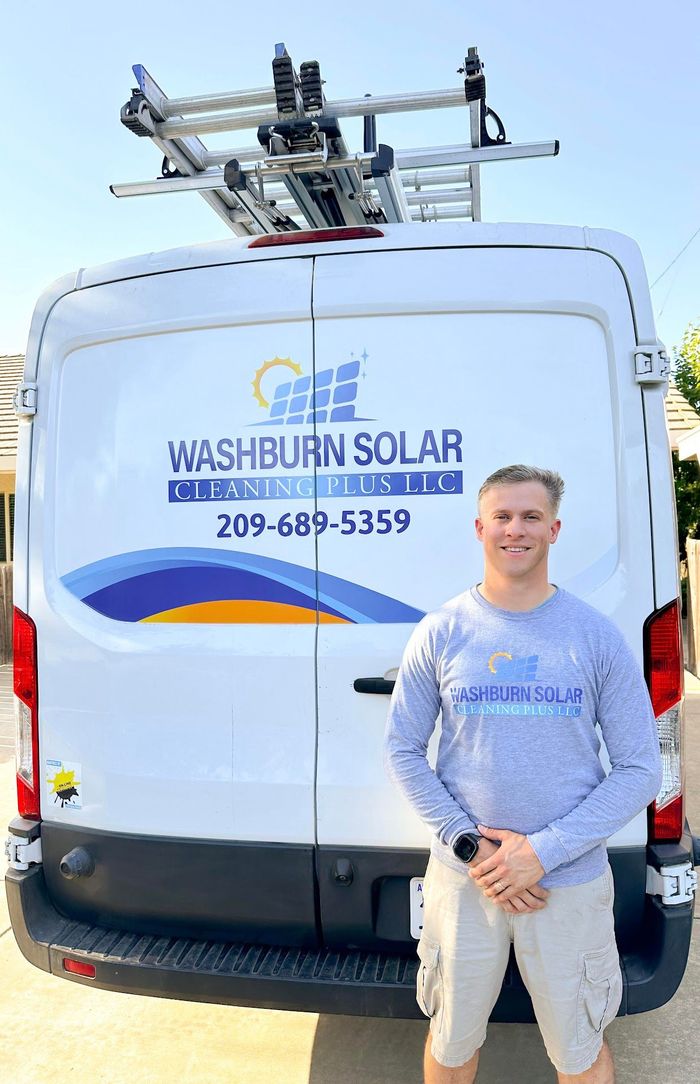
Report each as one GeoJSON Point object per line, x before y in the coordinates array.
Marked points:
{"type": "Point", "coordinates": [524, 669]}
{"type": "Point", "coordinates": [333, 400]}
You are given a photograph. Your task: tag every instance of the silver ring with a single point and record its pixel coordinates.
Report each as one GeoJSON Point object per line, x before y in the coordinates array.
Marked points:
{"type": "Point", "coordinates": [500, 886]}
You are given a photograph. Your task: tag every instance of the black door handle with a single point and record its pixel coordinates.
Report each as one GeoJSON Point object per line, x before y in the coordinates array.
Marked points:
{"type": "Point", "coordinates": [373, 685]}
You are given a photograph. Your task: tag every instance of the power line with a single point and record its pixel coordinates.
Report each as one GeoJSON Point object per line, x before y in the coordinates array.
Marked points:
{"type": "Point", "coordinates": [675, 258]}
{"type": "Point", "coordinates": [668, 294]}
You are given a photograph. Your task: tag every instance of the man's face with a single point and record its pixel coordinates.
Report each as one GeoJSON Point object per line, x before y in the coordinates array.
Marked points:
{"type": "Point", "coordinates": [516, 527]}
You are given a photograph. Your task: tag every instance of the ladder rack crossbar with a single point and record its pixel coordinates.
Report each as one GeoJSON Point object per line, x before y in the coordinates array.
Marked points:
{"type": "Point", "coordinates": [415, 160]}
{"type": "Point", "coordinates": [423, 158]}
{"type": "Point", "coordinates": [351, 107]}
{"type": "Point", "coordinates": [214, 179]}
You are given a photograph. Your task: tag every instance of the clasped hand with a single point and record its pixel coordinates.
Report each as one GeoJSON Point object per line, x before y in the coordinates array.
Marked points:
{"type": "Point", "coordinates": [509, 873]}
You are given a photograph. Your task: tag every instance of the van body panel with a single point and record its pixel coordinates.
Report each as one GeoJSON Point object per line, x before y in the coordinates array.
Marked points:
{"type": "Point", "coordinates": [449, 344]}
{"type": "Point", "coordinates": [166, 695]}
{"type": "Point", "coordinates": [21, 524]}
{"type": "Point", "coordinates": [51, 295]}
{"type": "Point", "coordinates": [628, 257]}
{"type": "Point", "coordinates": [661, 497]}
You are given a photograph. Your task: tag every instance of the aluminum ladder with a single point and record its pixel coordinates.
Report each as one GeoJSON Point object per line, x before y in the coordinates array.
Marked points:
{"type": "Point", "coordinates": [301, 174]}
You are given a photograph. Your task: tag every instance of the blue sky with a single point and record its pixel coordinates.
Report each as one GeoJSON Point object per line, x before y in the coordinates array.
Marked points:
{"type": "Point", "coordinates": [616, 82]}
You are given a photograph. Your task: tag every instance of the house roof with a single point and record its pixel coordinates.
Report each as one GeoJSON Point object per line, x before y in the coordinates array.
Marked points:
{"type": "Point", "coordinates": [680, 416]}
{"type": "Point", "coordinates": [11, 369]}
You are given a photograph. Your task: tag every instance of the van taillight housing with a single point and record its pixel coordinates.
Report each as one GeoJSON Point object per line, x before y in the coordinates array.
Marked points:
{"type": "Point", "coordinates": [26, 717]}
{"type": "Point", "coordinates": [663, 669]}
{"type": "Point", "coordinates": [308, 237]}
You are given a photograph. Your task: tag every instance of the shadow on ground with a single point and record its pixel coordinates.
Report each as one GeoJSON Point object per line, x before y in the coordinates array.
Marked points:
{"type": "Point", "coordinates": [347, 1050]}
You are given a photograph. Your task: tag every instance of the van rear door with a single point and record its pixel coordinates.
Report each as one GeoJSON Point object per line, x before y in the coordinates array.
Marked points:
{"type": "Point", "coordinates": [449, 364]}
{"type": "Point", "coordinates": [175, 610]}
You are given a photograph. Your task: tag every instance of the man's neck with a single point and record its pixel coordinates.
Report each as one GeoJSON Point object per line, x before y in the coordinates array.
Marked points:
{"type": "Point", "coordinates": [515, 595]}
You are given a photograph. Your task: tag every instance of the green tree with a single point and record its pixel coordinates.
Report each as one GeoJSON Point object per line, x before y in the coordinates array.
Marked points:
{"type": "Point", "coordinates": [687, 480]}
{"type": "Point", "coordinates": [686, 366]}
{"type": "Point", "coordinates": [686, 374]}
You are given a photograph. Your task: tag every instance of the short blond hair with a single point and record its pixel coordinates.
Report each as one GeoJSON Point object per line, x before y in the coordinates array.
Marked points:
{"type": "Point", "coordinates": [518, 472]}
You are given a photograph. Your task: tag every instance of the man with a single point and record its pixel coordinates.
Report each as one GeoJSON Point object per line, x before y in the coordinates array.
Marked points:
{"type": "Point", "coordinates": [518, 804]}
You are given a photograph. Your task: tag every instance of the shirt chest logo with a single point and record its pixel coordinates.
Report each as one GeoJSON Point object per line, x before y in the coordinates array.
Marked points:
{"type": "Point", "coordinates": [509, 685]}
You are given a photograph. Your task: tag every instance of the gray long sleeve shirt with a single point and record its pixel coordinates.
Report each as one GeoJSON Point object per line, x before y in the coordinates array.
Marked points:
{"type": "Point", "coordinates": [520, 694]}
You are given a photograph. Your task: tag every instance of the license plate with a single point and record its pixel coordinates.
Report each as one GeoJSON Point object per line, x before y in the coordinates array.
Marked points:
{"type": "Point", "coordinates": [416, 899]}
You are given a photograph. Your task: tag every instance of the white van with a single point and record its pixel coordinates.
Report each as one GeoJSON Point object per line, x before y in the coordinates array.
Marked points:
{"type": "Point", "coordinates": [245, 471]}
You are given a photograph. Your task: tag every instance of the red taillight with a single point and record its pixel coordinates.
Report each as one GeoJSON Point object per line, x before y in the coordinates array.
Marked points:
{"type": "Point", "coordinates": [663, 669]}
{"type": "Point", "coordinates": [25, 689]}
{"type": "Point", "coordinates": [308, 237]}
{"type": "Point", "coordinates": [78, 968]}
{"type": "Point", "coordinates": [667, 822]}
{"type": "Point", "coordinates": [662, 658]}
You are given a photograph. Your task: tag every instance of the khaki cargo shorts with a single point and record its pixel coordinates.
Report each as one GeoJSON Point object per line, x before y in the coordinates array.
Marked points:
{"type": "Point", "coordinates": [566, 954]}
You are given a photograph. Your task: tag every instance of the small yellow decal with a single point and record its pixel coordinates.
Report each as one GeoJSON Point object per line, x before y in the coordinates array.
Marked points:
{"type": "Point", "coordinates": [498, 655]}
{"type": "Point", "coordinates": [64, 785]}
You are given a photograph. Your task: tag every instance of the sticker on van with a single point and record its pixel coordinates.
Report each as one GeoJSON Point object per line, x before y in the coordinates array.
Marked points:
{"type": "Point", "coordinates": [64, 778]}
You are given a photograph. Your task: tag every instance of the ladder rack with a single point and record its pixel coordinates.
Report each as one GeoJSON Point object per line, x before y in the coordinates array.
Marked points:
{"type": "Point", "coordinates": [301, 174]}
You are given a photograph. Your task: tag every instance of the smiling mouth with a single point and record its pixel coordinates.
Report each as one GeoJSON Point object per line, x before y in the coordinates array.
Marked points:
{"type": "Point", "coordinates": [516, 549]}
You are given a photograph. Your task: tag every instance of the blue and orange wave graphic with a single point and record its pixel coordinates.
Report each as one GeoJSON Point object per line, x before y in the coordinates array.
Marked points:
{"type": "Point", "coordinates": [208, 586]}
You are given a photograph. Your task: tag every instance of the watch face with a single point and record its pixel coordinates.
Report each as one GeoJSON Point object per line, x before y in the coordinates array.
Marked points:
{"type": "Point", "coordinates": [466, 847]}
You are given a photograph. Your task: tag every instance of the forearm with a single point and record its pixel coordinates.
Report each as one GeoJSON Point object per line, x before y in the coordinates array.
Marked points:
{"type": "Point", "coordinates": [629, 730]}
{"type": "Point", "coordinates": [414, 710]}
{"type": "Point", "coordinates": [408, 768]}
{"type": "Point", "coordinates": [612, 804]}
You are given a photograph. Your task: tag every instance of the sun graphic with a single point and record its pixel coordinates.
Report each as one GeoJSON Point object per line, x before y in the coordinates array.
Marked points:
{"type": "Point", "coordinates": [498, 655]}
{"type": "Point", "coordinates": [63, 781]}
{"type": "Point", "coordinates": [264, 368]}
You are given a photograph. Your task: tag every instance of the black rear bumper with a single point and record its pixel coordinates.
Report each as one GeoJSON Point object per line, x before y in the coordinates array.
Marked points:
{"type": "Point", "coordinates": [356, 983]}
{"type": "Point", "coordinates": [363, 983]}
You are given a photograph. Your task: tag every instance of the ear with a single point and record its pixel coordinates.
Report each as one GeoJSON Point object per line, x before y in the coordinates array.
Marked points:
{"type": "Point", "coordinates": [554, 531]}
{"type": "Point", "coordinates": [479, 527]}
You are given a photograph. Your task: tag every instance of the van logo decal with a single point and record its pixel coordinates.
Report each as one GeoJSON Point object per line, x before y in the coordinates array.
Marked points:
{"type": "Point", "coordinates": [328, 397]}
{"type": "Point", "coordinates": [207, 586]}
{"type": "Point", "coordinates": [334, 460]}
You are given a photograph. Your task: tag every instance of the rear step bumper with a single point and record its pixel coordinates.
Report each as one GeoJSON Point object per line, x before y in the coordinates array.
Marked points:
{"type": "Point", "coordinates": [356, 983]}
{"type": "Point", "coordinates": [325, 981]}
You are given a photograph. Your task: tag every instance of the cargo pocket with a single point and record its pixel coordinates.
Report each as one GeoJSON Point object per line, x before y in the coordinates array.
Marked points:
{"type": "Point", "coordinates": [600, 992]}
{"type": "Point", "coordinates": [429, 979]}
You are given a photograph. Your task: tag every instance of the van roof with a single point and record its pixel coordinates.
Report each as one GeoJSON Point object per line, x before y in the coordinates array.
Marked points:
{"type": "Point", "coordinates": [622, 249]}
{"type": "Point", "coordinates": [404, 235]}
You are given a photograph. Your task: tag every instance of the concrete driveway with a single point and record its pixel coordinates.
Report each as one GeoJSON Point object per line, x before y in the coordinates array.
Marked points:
{"type": "Point", "coordinates": [55, 1031]}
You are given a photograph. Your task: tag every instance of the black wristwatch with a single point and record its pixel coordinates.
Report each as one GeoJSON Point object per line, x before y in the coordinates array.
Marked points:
{"type": "Point", "coordinates": [466, 846]}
